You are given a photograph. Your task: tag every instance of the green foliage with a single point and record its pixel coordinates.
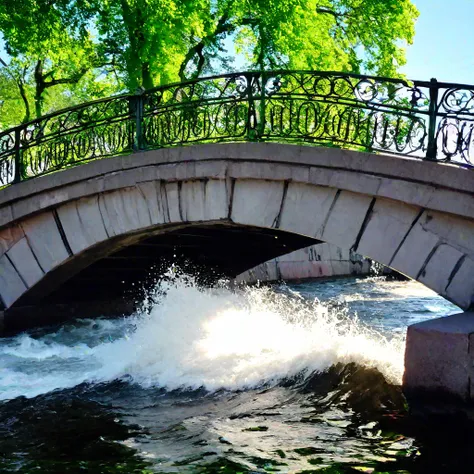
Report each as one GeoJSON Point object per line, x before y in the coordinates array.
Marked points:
{"type": "Point", "coordinates": [61, 52]}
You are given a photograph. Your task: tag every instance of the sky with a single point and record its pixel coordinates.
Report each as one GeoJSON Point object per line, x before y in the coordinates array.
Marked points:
{"type": "Point", "coordinates": [444, 42]}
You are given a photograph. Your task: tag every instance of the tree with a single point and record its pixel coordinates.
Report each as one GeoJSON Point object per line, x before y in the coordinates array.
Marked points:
{"type": "Point", "coordinates": [58, 46]}
{"type": "Point", "coordinates": [51, 45]}
{"type": "Point", "coordinates": [157, 41]}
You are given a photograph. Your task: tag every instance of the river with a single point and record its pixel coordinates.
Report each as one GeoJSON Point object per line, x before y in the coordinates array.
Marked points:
{"type": "Point", "coordinates": [295, 378]}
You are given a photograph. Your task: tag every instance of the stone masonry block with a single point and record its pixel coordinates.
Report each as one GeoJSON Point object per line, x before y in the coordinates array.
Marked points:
{"type": "Point", "coordinates": [25, 262]}
{"type": "Point", "coordinates": [45, 240]}
{"type": "Point", "coordinates": [305, 208]}
{"type": "Point", "coordinates": [389, 223]}
{"type": "Point", "coordinates": [439, 268]}
{"type": "Point", "coordinates": [439, 356]}
{"type": "Point", "coordinates": [345, 220]}
{"type": "Point", "coordinates": [11, 285]}
{"type": "Point", "coordinates": [204, 200]}
{"type": "Point", "coordinates": [82, 223]}
{"type": "Point", "coordinates": [414, 251]}
{"type": "Point", "coordinates": [257, 202]}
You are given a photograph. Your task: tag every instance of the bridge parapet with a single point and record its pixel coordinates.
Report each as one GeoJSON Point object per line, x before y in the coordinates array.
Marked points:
{"type": "Point", "coordinates": [426, 120]}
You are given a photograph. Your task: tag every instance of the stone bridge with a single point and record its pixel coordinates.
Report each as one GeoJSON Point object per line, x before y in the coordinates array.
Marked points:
{"type": "Point", "coordinates": [101, 228]}
{"type": "Point", "coordinates": [92, 238]}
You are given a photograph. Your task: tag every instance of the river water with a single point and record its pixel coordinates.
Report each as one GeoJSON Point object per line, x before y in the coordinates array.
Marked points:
{"type": "Point", "coordinates": [295, 378]}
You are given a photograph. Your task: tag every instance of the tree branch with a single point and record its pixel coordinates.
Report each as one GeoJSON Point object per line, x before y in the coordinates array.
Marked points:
{"type": "Point", "coordinates": [222, 27]}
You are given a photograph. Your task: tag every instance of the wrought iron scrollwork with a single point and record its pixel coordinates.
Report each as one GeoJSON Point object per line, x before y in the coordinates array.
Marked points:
{"type": "Point", "coordinates": [455, 125]}
{"type": "Point", "coordinates": [419, 119]}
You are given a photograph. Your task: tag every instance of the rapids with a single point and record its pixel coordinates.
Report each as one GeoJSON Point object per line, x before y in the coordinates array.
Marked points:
{"type": "Point", "coordinates": [283, 378]}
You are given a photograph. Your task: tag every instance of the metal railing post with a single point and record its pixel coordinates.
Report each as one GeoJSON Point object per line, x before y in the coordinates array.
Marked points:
{"type": "Point", "coordinates": [261, 125]}
{"type": "Point", "coordinates": [18, 162]}
{"type": "Point", "coordinates": [251, 110]}
{"type": "Point", "coordinates": [431, 151]}
{"type": "Point", "coordinates": [138, 112]}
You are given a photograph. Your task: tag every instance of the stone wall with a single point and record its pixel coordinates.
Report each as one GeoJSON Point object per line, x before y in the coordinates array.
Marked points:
{"type": "Point", "coordinates": [317, 261]}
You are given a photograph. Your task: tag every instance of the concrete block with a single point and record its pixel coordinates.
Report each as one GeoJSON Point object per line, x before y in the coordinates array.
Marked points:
{"type": "Point", "coordinates": [257, 202]}
{"type": "Point", "coordinates": [305, 208]}
{"type": "Point", "coordinates": [45, 240]}
{"type": "Point", "coordinates": [439, 356]}
{"type": "Point", "coordinates": [82, 223]}
{"type": "Point", "coordinates": [25, 262]}
{"type": "Point", "coordinates": [388, 225]}
{"type": "Point", "coordinates": [345, 220]}
{"type": "Point", "coordinates": [11, 285]}
{"type": "Point", "coordinates": [437, 272]}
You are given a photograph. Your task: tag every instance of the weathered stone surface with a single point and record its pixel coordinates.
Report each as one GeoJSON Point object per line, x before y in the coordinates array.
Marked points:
{"type": "Point", "coordinates": [305, 208]}
{"type": "Point", "coordinates": [270, 171]}
{"type": "Point", "coordinates": [45, 240]}
{"type": "Point", "coordinates": [415, 193]}
{"type": "Point", "coordinates": [156, 203]}
{"type": "Point", "coordinates": [123, 211]}
{"type": "Point", "coordinates": [388, 224]}
{"type": "Point", "coordinates": [414, 250]}
{"type": "Point", "coordinates": [11, 285]}
{"type": "Point", "coordinates": [257, 202]}
{"type": "Point", "coordinates": [302, 270]}
{"type": "Point", "coordinates": [290, 156]}
{"type": "Point", "coordinates": [25, 262]}
{"type": "Point", "coordinates": [345, 219]}
{"type": "Point", "coordinates": [323, 193]}
{"type": "Point", "coordinates": [9, 237]}
{"type": "Point", "coordinates": [461, 287]}
{"type": "Point", "coordinates": [204, 200]}
{"type": "Point", "coordinates": [171, 193]}
{"type": "Point", "coordinates": [82, 223]}
{"type": "Point", "coordinates": [316, 261]}
{"type": "Point", "coordinates": [437, 272]}
{"type": "Point", "coordinates": [458, 232]}
{"type": "Point", "coordinates": [439, 356]}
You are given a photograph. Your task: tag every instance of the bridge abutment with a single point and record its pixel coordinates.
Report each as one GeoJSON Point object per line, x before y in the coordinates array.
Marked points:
{"type": "Point", "coordinates": [439, 360]}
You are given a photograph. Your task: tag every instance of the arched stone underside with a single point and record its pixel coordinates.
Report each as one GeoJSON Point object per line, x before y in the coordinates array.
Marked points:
{"type": "Point", "coordinates": [417, 218]}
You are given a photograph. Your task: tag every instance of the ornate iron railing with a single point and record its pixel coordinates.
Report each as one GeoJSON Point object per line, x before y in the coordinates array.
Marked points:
{"type": "Point", "coordinates": [426, 120]}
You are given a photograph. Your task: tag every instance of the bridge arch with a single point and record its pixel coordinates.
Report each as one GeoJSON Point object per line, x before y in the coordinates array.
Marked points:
{"type": "Point", "coordinates": [417, 218]}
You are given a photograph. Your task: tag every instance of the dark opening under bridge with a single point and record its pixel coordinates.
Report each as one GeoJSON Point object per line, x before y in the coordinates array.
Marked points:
{"type": "Point", "coordinates": [99, 229]}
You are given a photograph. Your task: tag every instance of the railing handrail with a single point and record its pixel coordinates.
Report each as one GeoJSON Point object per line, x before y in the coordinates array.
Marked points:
{"type": "Point", "coordinates": [425, 119]}
{"type": "Point", "coordinates": [401, 80]}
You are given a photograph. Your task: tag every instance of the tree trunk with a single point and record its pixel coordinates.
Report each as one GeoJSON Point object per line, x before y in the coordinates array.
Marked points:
{"type": "Point", "coordinates": [40, 87]}
{"type": "Point", "coordinates": [147, 78]}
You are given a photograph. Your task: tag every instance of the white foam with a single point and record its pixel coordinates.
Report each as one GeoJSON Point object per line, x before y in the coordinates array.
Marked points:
{"type": "Point", "coordinates": [211, 338]}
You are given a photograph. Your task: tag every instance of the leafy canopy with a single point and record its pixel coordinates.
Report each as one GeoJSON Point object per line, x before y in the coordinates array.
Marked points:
{"type": "Point", "coordinates": [61, 52]}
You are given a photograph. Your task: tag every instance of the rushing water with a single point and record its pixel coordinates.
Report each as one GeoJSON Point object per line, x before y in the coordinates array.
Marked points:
{"type": "Point", "coordinates": [297, 378]}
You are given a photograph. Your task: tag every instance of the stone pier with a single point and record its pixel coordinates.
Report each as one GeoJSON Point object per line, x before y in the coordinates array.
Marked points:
{"type": "Point", "coordinates": [439, 359]}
